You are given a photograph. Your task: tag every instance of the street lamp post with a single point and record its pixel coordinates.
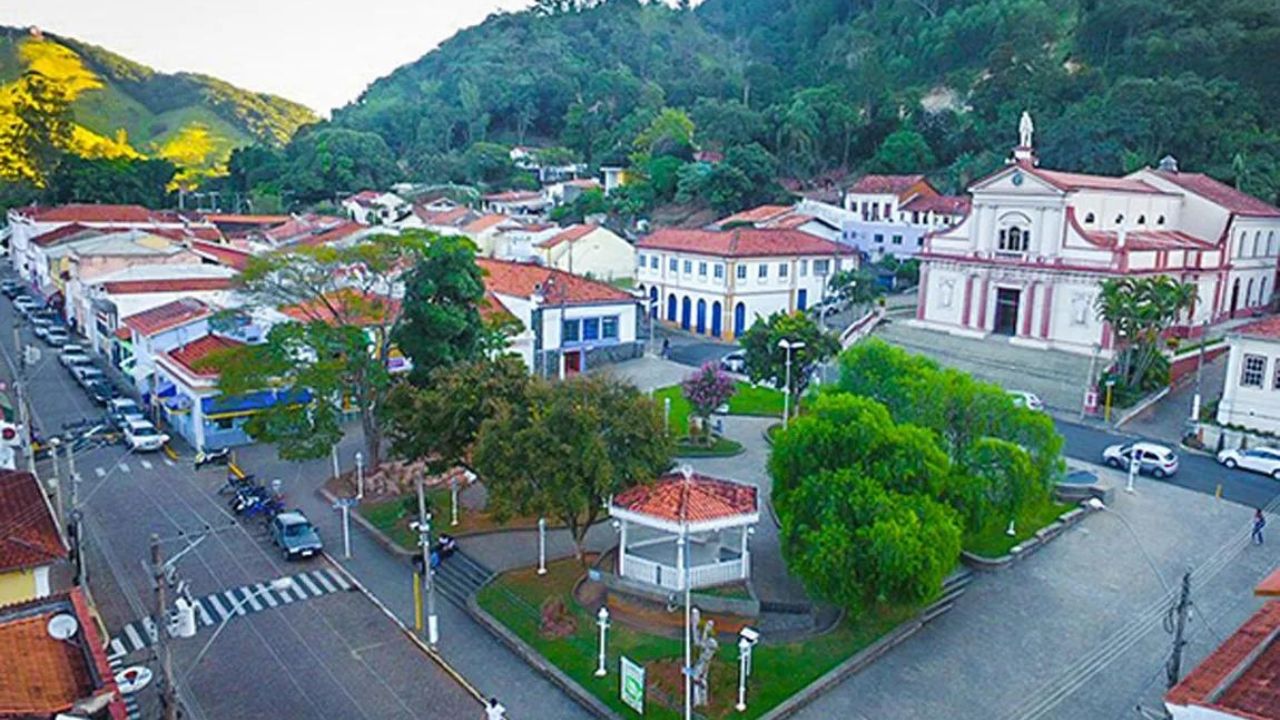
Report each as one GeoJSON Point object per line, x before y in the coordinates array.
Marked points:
{"type": "Point", "coordinates": [279, 585]}
{"type": "Point", "coordinates": [1197, 398]}
{"type": "Point", "coordinates": [788, 346]}
{"type": "Point", "coordinates": [453, 500]}
{"type": "Point", "coordinates": [1106, 414]}
{"type": "Point", "coordinates": [682, 551]}
{"type": "Point", "coordinates": [1133, 471]}
{"type": "Point", "coordinates": [359, 475]}
{"type": "Point", "coordinates": [666, 416]}
{"type": "Point", "coordinates": [542, 546]}
{"type": "Point", "coordinates": [602, 621]}
{"type": "Point", "coordinates": [747, 639]}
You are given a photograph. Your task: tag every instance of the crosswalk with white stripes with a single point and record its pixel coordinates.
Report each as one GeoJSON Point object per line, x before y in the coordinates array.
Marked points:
{"type": "Point", "coordinates": [217, 607]}
{"type": "Point", "coordinates": [116, 664]}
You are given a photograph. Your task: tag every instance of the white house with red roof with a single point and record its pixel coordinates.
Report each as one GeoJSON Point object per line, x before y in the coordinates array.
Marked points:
{"type": "Point", "coordinates": [588, 249]}
{"type": "Point", "coordinates": [568, 322]}
{"type": "Point", "coordinates": [517, 203]}
{"type": "Point", "coordinates": [96, 306]}
{"type": "Point", "coordinates": [1028, 260]}
{"type": "Point", "coordinates": [890, 214]}
{"type": "Point", "coordinates": [1251, 388]}
{"type": "Point", "coordinates": [371, 207]}
{"type": "Point", "coordinates": [718, 282]}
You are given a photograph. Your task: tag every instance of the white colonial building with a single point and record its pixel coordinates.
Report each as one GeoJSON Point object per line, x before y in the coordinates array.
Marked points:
{"type": "Point", "coordinates": [717, 282]}
{"type": "Point", "coordinates": [1251, 389]}
{"type": "Point", "coordinates": [1028, 260]}
{"type": "Point", "coordinates": [890, 214]}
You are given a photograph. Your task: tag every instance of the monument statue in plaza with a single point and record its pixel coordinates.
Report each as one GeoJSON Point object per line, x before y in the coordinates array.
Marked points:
{"type": "Point", "coordinates": [1025, 130]}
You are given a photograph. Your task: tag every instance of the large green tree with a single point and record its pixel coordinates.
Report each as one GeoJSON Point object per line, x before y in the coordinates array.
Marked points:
{"type": "Point", "coordinates": [568, 447]}
{"type": "Point", "coordinates": [39, 132]}
{"type": "Point", "coordinates": [767, 361]}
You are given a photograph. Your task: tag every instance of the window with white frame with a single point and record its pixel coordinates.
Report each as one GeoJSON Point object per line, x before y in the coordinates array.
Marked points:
{"type": "Point", "coordinates": [804, 268]}
{"type": "Point", "coordinates": [762, 271]}
{"type": "Point", "coordinates": [897, 239]}
{"type": "Point", "coordinates": [719, 271]}
{"type": "Point", "coordinates": [653, 262]}
{"type": "Point", "coordinates": [821, 267]}
{"type": "Point", "coordinates": [1014, 239]}
{"type": "Point", "coordinates": [742, 271]}
{"type": "Point", "coordinates": [783, 269]}
{"type": "Point", "coordinates": [1253, 370]}
{"type": "Point", "coordinates": [1275, 384]}
{"type": "Point", "coordinates": [702, 269]}
{"type": "Point", "coordinates": [673, 265]}
{"type": "Point", "coordinates": [688, 267]}
{"type": "Point", "coordinates": [592, 329]}
{"type": "Point", "coordinates": [640, 260]}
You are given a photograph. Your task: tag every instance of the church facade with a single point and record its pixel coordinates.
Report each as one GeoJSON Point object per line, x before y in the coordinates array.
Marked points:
{"type": "Point", "coordinates": [1028, 260]}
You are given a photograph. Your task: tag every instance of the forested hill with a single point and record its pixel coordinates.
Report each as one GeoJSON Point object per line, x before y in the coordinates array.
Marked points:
{"type": "Point", "coordinates": [811, 88]}
{"type": "Point", "coordinates": [123, 109]}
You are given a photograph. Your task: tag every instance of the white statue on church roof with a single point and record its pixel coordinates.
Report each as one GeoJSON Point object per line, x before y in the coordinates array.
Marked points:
{"type": "Point", "coordinates": [1025, 129]}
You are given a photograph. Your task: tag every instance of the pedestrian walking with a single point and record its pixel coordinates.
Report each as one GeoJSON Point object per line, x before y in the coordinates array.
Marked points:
{"type": "Point", "coordinates": [666, 348]}
{"type": "Point", "coordinates": [493, 710]}
{"type": "Point", "coordinates": [1259, 522]}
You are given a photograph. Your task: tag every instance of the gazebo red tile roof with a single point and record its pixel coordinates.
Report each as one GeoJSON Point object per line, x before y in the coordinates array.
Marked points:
{"type": "Point", "coordinates": [692, 498]}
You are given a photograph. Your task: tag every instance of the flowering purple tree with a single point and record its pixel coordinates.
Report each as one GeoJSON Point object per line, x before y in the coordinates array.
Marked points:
{"type": "Point", "coordinates": [707, 389]}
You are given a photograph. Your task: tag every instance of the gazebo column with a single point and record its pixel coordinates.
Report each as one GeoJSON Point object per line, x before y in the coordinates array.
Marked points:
{"type": "Point", "coordinates": [681, 559]}
{"type": "Point", "coordinates": [745, 556]}
{"type": "Point", "coordinates": [622, 551]}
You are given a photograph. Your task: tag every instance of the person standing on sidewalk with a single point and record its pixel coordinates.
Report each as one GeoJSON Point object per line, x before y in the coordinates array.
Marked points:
{"type": "Point", "coordinates": [1259, 522]}
{"type": "Point", "coordinates": [493, 710]}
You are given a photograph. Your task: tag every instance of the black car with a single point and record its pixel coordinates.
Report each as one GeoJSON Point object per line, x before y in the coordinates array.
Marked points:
{"type": "Point", "coordinates": [101, 392]}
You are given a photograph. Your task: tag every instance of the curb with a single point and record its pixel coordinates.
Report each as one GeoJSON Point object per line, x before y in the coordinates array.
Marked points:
{"type": "Point", "coordinates": [589, 702]}
{"type": "Point", "coordinates": [434, 655]}
{"type": "Point", "coordinates": [382, 538]}
{"type": "Point", "coordinates": [1038, 540]}
{"type": "Point", "coordinates": [1143, 406]}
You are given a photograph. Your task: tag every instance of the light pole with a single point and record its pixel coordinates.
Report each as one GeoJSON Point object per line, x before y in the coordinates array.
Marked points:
{"type": "Point", "coordinates": [602, 622]}
{"type": "Point", "coordinates": [666, 416]}
{"type": "Point", "coordinates": [542, 546]}
{"type": "Point", "coordinates": [747, 639]}
{"type": "Point", "coordinates": [334, 455]}
{"type": "Point", "coordinates": [279, 585]}
{"type": "Point", "coordinates": [1133, 471]}
{"type": "Point", "coordinates": [682, 553]}
{"type": "Point", "coordinates": [359, 475]}
{"type": "Point", "coordinates": [789, 347]}
{"type": "Point", "coordinates": [1196, 399]}
{"type": "Point", "coordinates": [453, 499]}
{"type": "Point", "coordinates": [1106, 414]}
{"type": "Point", "coordinates": [1096, 504]}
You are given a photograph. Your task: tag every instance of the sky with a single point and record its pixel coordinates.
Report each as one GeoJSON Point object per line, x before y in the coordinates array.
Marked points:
{"type": "Point", "coordinates": [321, 53]}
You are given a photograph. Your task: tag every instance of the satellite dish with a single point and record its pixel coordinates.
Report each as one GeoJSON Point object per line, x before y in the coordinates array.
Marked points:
{"type": "Point", "coordinates": [62, 627]}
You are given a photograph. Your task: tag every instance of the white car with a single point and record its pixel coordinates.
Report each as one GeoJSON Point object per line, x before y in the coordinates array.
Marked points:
{"type": "Point", "coordinates": [40, 327]}
{"type": "Point", "coordinates": [142, 436]}
{"type": "Point", "coordinates": [1263, 460]}
{"type": "Point", "coordinates": [1028, 400]}
{"type": "Point", "coordinates": [121, 411]}
{"type": "Point", "coordinates": [734, 362]}
{"type": "Point", "coordinates": [74, 355]}
{"type": "Point", "coordinates": [1155, 460]}
{"type": "Point", "coordinates": [25, 304]}
{"type": "Point", "coordinates": [57, 336]}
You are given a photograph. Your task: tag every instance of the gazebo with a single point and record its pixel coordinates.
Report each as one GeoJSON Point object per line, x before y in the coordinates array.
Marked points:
{"type": "Point", "coordinates": [686, 524]}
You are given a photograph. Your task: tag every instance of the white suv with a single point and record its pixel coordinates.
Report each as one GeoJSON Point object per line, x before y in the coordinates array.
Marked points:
{"type": "Point", "coordinates": [142, 436]}
{"type": "Point", "coordinates": [1263, 460]}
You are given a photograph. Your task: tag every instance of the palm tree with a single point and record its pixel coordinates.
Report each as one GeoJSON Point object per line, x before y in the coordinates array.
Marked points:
{"type": "Point", "coordinates": [1140, 311]}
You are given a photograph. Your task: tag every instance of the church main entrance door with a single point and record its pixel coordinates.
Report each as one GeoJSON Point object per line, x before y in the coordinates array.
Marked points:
{"type": "Point", "coordinates": [1006, 311]}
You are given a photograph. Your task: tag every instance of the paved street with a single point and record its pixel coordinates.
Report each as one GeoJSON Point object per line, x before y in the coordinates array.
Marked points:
{"type": "Point", "coordinates": [330, 654]}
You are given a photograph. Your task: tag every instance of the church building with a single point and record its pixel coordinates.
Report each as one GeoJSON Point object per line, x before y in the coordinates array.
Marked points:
{"type": "Point", "coordinates": [1028, 260]}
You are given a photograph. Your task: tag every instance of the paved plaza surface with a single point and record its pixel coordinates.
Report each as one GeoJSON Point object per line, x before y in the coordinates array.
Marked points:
{"type": "Point", "coordinates": [1074, 631]}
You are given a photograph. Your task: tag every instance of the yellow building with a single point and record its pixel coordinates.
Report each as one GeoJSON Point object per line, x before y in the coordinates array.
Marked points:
{"type": "Point", "coordinates": [32, 547]}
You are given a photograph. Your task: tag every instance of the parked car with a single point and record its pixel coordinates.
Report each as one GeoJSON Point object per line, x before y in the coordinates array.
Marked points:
{"type": "Point", "coordinates": [11, 288]}
{"type": "Point", "coordinates": [40, 326]}
{"type": "Point", "coordinates": [734, 362]}
{"type": "Point", "coordinates": [101, 392]}
{"type": "Point", "coordinates": [57, 336]}
{"type": "Point", "coordinates": [122, 410]}
{"type": "Point", "coordinates": [1028, 400]}
{"type": "Point", "coordinates": [142, 436]}
{"type": "Point", "coordinates": [1263, 460]}
{"type": "Point", "coordinates": [87, 374]}
{"type": "Point", "coordinates": [295, 535]}
{"type": "Point", "coordinates": [73, 355]}
{"type": "Point", "coordinates": [1153, 459]}
{"type": "Point", "coordinates": [24, 304]}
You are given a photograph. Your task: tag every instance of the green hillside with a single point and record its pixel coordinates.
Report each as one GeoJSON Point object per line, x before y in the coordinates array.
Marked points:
{"type": "Point", "coordinates": [124, 109]}
{"type": "Point", "coordinates": [817, 89]}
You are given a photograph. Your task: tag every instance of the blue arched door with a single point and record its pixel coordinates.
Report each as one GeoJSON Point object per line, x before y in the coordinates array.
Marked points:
{"type": "Point", "coordinates": [671, 307]}
{"type": "Point", "coordinates": [702, 316]}
{"type": "Point", "coordinates": [715, 319]}
{"type": "Point", "coordinates": [653, 302]}
{"type": "Point", "coordinates": [739, 320]}
{"type": "Point", "coordinates": [686, 310]}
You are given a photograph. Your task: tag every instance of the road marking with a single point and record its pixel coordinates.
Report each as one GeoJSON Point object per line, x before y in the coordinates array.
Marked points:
{"type": "Point", "coordinates": [213, 599]}
{"type": "Point", "coordinates": [99, 472]}
{"type": "Point", "coordinates": [150, 626]}
{"type": "Point", "coordinates": [134, 638]}
{"type": "Point", "coordinates": [124, 467]}
{"type": "Point", "coordinates": [236, 604]}
{"type": "Point", "coordinates": [169, 462]}
{"type": "Point", "coordinates": [296, 589]}
{"type": "Point", "coordinates": [116, 663]}
{"type": "Point", "coordinates": [251, 597]}
{"type": "Point", "coordinates": [301, 577]}
{"type": "Point", "coordinates": [337, 577]}
{"type": "Point", "coordinates": [265, 594]}
{"type": "Point", "coordinates": [320, 578]}
{"type": "Point", "coordinates": [146, 464]}
{"type": "Point", "coordinates": [205, 617]}
{"type": "Point", "coordinates": [117, 648]}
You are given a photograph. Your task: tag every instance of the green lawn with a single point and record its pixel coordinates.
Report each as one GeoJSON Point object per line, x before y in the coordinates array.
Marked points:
{"type": "Point", "coordinates": [747, 400]}
{"type": "Point", "coordinates": [723, 447]}
{"type": "Point", "coordinates": [392, 516]}
{"type": "Point", "coordinates": [516, 598]}
{"type": "Point", "coordinates": [992, 542]}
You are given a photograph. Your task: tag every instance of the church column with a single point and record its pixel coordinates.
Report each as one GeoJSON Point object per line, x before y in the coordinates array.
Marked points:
{"type": "Point", "coordinates": [1029, 308]}
{"type": "Point", "coordinates": [968, 300]}
{"type": "Point", "coordinates": [982, 304]}
{"type": "Point", "coordinates": [1042, 233]}
{"type": "Point", "coordinates": [924, 292]}
{"type": "Point", "coordinates": [1046, 312]}
{"type": "Point", "coordinates": [746, 554]}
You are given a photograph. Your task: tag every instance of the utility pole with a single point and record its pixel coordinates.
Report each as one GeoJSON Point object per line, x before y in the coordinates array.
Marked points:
{"type": "Point", "coordinates": [76, 527]}
{"type": "Point", "coordinates": [1174, 668]}
{"type": "Point", "coordinates": [1198, 398]}
{"type": "Point", "coordinates": [19, 386]}
{"type": "Point", "coordinates": [170, 690]}
{"type": "Point", "coordinates": [424, 540]}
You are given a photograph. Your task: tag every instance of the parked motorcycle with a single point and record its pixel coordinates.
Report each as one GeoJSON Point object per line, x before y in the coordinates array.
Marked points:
{"type": "Point", "coordinates": [213, 457]}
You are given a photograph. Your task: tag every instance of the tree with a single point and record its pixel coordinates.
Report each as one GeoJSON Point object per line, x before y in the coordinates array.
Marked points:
{"type": "Point", "coordinates": [120, 181]}
{"type": "Point", "coordinates": [335, 351]}
{"type": "Point", "coordinates": [904, 151]}
{"type": "Point", "coordinates": [40, 131]}
{"type": "Point", "coordinates": [570, 446]}
{"type": "Point", "coordinates": [706, 389]}
{"type": "Point", "coordinates": [767, 362]}
{"type": "Point", "coordinates": [488, 163]}
{"type": "Point", "coordinates": [858, 287]}
{"type": "Point", "coordinates": [1140, 311]}
{"type": "Point", "coordinates": [438, 420]}
{"type": "Point", "coordinates": [670, 133]}
{"type": "Point", "coordinates": [441, 323]}
{"type": "Point", "coordinates": [322, 162]}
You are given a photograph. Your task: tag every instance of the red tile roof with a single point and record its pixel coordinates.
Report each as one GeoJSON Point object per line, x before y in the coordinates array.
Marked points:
{"type": "Point", "coordinates": [569, 235]}
{"type": "Point", "coordinates": [1222, 194]}
{"type": "Point", "coordinates": [696, 498]}
{"type": "Point", "coordinates": [30, 537]}
{"type": "Point", "coordinates": [938, 204]}
{"type": "Point", "coordinates": [345, 307]}
{"type": "Point", "coordinates": [755, 215]}
{"type": "Point", "coordinates": [196, 284]}
{"type": "Point", "coordinates": [586, 183]}
{"type": "Point", "coordinates": [524, 279]}
{"type": "Point", "coordinates": [1270, 585]}
{"type": "Point", "coordinates": [95, 213]}
{"type": "Point", "coordinates": [1080, 181]}
{"type": "Point", "coordinates": [1241, 677]}
{"type": "Point", "coordinates": [189, 356]}
{"type": "Point", "coordinates": [342, 231]}
{"type": "Point", "coordinates": [168, 316]}
{"type": "Point", "coordinates": [234, 219]}
{"type": "Point", "coordinates": [741, 242]}
{"type": "Point", "coordinates": [207, 233]}
{"type": "Point", "coordinates": [1268, 328]}
{"type": "Point", "coordinates": [66, 232]}
{"type": "Point", "coordinates": [885, 184]}
{"type": "Point", "coordinates": [484, 222]}
{"type": "Point", "coordinates": [513, 196]}
{"type": "Point", "coordinates": [451, 216]}
{"type": "Point", "coordinates": [301, 225]}
{"type": "Point", "coordinates": [222, 254]}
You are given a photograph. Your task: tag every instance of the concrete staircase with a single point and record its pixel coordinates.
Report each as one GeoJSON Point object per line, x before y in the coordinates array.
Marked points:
{"type": "Point", "coordinates": [459, 577]}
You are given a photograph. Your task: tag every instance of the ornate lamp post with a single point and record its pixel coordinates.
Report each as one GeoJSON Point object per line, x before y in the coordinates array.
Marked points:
{"type": "Point", "coordinates": [602, 622]}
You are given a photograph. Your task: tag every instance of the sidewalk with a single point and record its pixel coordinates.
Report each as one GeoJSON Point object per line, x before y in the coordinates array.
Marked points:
{"type": "Point", "coordinates": [1167, 419]}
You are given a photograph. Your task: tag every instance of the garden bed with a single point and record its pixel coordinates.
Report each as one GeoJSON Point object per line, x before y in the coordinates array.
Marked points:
{"type": "Point", "coordinates": [992, 542]}
{"type": "Point", "coordinates": [517, 599]}
{"type": "Point", "coordinates": [721, 447]}
{"type": "Point", "coordinates": [746, 400]}
{"type": "Point", "coordinates": [392, 516]}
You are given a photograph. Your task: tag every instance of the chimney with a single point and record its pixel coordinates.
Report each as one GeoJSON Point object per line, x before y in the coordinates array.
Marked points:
{"type": "Point", "coordinates": [1169, 164]}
